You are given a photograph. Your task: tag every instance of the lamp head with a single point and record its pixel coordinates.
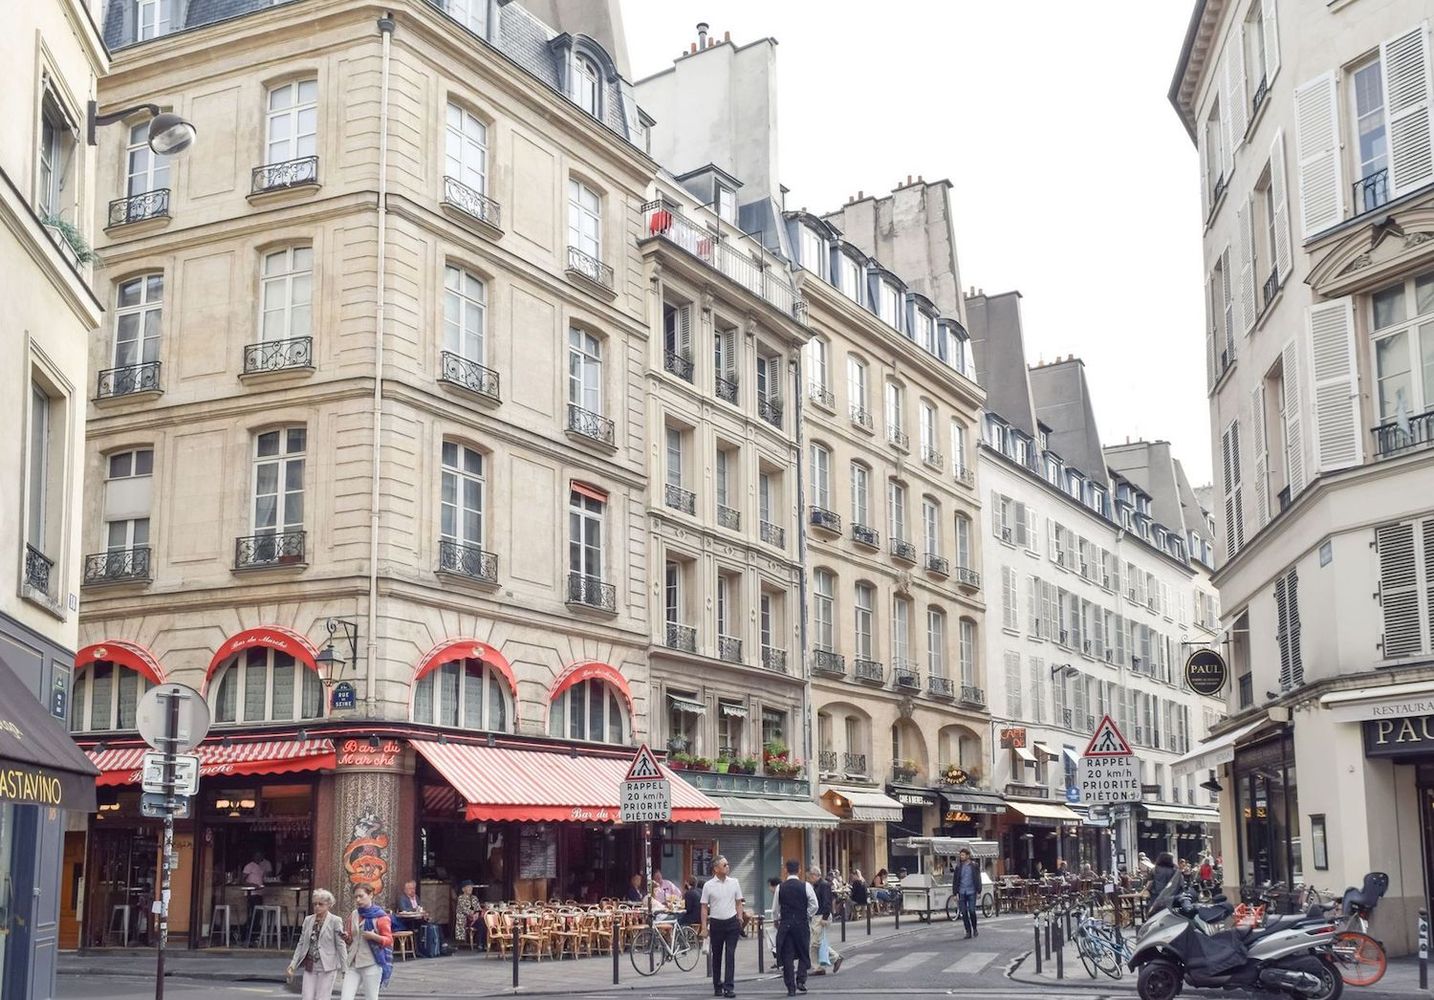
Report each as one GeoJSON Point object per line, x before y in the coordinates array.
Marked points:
{"type": "Point", "coordinates": [169, 133]}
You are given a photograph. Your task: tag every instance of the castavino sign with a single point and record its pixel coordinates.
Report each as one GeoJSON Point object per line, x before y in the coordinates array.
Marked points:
{"type": "Point", "coordinates": [1206, 672]}
{"type": "Point", "coordinates": [20, 785]}
{"type": "Point", "coordinates": [1409, 736]}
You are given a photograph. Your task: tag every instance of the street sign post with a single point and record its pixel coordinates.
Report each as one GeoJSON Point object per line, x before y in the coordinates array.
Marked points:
{"type": "Point", "coordinates": [172, 718]}
{"type": "Point", "coordinates": [1109, 770]}
{"type": "Point", "coordinates": [646, 798]}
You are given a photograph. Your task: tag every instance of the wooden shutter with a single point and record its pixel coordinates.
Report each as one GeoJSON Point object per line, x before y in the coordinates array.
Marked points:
{"type": "Point", "coordinates": [1294, 419]}
{"type": "Point", "coordinates": [1317, 154]}
{"type": "Point", "coordinates": [1260, 460]}
{"type": "Point", "coordinates": [1212, 355]}
{"type": "Point", "coordinates": [1404, 61]}
{"type": "Point", "coordinates": [1204, 173]}
{"type": "Point", "coordinates": [1282, 625]}
{"type": "Point", "coordinates": [1022, 520]}
{"type": "Point", "coordinates": [995, 513]}
{"type": "Point", "coordinates": [1033, 603]}
{"type": "Point", "coordinates": [1227, 299]}
{"type": "Point", "coordinates": [684, 333]}
{"type": "Point", "coordinates": [1234, 512]}
{"type": "Point", "coordinates": [1246, 310]}
{"type": "Point", "coordinates": [1235, 87]}
{"type": "Point", "coordinates": [1032, 543]}
{"type": "Point", "coordinates": [1399, 589]}
{"type": "Point", "coordinates": [1338, 441]}
{"type": "Point", "coordinates": [1227, 159]}
{"type": "Point", "coordinates": [1283, 257]}
{"type": "Point", "coordinates": [1272, 39]}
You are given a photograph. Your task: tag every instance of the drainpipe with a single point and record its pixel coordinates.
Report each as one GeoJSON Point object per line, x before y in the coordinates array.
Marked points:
{"type": "Point", "coordinates": [808, 709]}
{"type": "Point", "coordinates": [385, 27]}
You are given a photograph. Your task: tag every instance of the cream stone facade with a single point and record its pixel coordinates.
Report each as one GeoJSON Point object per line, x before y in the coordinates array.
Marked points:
{"type": "Point", "coordinates": [1312, 125]}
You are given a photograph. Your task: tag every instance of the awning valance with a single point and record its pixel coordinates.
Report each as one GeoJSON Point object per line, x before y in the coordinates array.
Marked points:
{"type": "Point", "coordinates": [1070, 755]}
{"type": "Point", "coordinates": [505, 783]}
{"type": "Point", "coordinates": [1384, 701]}
{"type": "Point", "coordinates": [732, 710]}
{"type": "Point", "coordinates": [1025, 754]}
{"type": "Point", "coordinates": [862, 804]}
{"type": "Point", "coordinates": [800, 814]}
{"type": "Point", "coordinates": [1051, 812]}
{"type": "Point", "coordinates": [687, 705]}
{"type": "Point", "coordinates": [1180, 814]}
{"type": "Point", "coordinates": [125, 765]}
{"type": "Point", "coordinates": [974, 800]}
{"type": "Point", "coordinates": [39, 763]}
{"type": "Point", "coordinates": [1044, 751]}
{"type": "Point", "coordinates": [1215, 751]}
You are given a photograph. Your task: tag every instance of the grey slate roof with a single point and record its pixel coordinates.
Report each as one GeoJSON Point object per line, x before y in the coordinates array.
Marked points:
{"type": "Point", "coordinates": [1062, 401]}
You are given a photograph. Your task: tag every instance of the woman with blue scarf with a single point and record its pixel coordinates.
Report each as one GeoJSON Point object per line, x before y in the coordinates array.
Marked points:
{"type": "Point", "coordinates": [370, 939]}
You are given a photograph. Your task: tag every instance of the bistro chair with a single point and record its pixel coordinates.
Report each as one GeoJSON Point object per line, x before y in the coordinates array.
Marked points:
{"type": "Point", "coordinates": [222, 910]}
{"type": "Point", "coordinates": [566, 934]}
{"type": "Point", "coordinates": [499, 926]}
{"type": "Point", "coordinates": [119, 924]}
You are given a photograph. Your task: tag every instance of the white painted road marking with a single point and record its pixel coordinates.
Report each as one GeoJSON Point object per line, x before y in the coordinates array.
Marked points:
{"type": "Point", "coordinates": [974, 962]}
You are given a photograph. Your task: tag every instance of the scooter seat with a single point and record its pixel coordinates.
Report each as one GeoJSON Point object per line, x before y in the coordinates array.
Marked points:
{"type": "Point", "coordinates": [1276, 924]}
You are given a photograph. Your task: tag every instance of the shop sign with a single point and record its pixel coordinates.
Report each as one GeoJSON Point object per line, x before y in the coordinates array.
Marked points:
{"type": "Point", "coordinates": [581, 814]}
{"type": "Point", "coordinates": [362, 753]}
{"type": "Point", "coordinates": [1404, 737]}
{"type": "Point", "coordinates": [1206, 672]}
{"type": "Point", "coordinates": [1013, 739]}
{"type": "Point", "coordinates": [27, 785]}
{"type": "Point", "coordinates": [1415, 705]}
{"type": "Point", "coordinates": [956, 816]}
{"type": "Point", "coordinates": [345, 696]}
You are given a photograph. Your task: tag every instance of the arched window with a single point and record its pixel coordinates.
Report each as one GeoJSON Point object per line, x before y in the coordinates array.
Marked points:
{"type": "Point", "coordinates": [821, 476]}
{"type": "Point", "coordinates": [139, 320]}
{"type": "Point", "coordinates": [465, 694]}
{"type": "Point", "coordinates": [464, 305]}
{"type": "Point", "coordinates": [824, 610]}
{"type": "Point", "coordinates": [963, 541]}
{"type": "Point", "coordinates": [587, 85]}
{"type": "Point", "coordinates": [465, 146]}
{"type": "Point", "coordinates": [589, 710]}
{"type": "Point", "coordinates": [104, 697]}
{"type": "Point", "coordinates": [265, 685]}
{"type": "Point", "coordinates": [286, 294]}
{"type": "Point", "coordinates": [462, 495]}
{"type": "Point", "coordinates": [936, 642]}
{"type": "Point", "coordinates": [968, 651]}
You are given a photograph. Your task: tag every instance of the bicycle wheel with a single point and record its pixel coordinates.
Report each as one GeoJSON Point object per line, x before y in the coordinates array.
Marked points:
{"type": "Point", "coordinates": [1082, 946]}
{"type": "Point", "coordinates": [953, 908]}
{"type": "Point", "coordinates": [988, 904]}
{"type": "Point", "coordinates": [646, 951]}
{"type": "Point", "coordinates": [1106, 954]}
{"type": "Point", "coordinates": [1360, 959]}
{"type": "Point", "coordinates": [686, 949]}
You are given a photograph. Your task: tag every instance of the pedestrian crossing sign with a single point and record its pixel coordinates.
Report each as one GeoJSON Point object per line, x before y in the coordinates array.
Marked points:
{"type": "Point", "coordinates": [1107, 741]}
{"type": "Point", "coordinates": [645, 766]}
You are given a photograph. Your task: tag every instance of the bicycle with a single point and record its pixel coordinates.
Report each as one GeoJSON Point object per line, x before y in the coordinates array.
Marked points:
{"type": "Point", "coordinates": [1361, 959]}
{"type": "Point", "coordinates": [651, 948]}
{"type": "Point", "coordinates": [987, 903]}
{"type": "Point", "coordinates": [1100, 945]}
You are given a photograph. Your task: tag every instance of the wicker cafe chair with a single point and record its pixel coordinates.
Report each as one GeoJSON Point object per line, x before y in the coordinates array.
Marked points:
{"type": "Point", "coordinates": [500, 931]}
{"type": "Point", "coordinates": [566, 934]}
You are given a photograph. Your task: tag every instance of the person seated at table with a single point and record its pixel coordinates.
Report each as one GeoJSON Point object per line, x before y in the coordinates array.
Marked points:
{"type": "Point", "coordinates": [860, 896]}
{"type": "Point", "coordinates": [466, 914]}
{"type": "Point", "coordinates": [691, 903]}
{"type": "Point", "coordinates": [634, 889]}
{"type": "Point", "coordinates": [410, 910]}
{"type": "Point", "coordinates": [879, 889]}
{"type": "Point", "coordinates": [665, 890]}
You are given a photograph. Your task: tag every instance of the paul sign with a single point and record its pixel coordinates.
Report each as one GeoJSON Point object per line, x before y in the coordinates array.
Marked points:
{"type": "Point", "coordinates": [1206, 672]}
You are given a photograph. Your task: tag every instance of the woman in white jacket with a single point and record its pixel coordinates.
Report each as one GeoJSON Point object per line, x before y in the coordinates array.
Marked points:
{"type": "Point", "coordinates": [321, 950]}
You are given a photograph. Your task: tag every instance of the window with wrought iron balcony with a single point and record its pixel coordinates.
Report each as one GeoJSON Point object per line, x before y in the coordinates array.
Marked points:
{"type": "Point", "coordinates": [122, 565]}
{"type": "Point", "coordinates": [933, 458]}
{"type": "Point", "coordinates": [868, 671]}
{"type": "Point", "coordinates": [828, 663]}
{"type": "Point", "coordinates": [467, 560]}
{"type": "Point", "coordinates": [269, 549]}
{"type": "Point", "coordinates": [38, 570]}
{"type": "Point", "coordinates": [773, 534]}
{"type": "Point", "coordinates": [585, 591]}
{"type": "Point", "coordinates": [774, 659]}
{"type": "Point", "coordinates": [826, 520]}
{"type": "Point", "coordinates": [903, 550]}
{"type": "Point", "coordinates": [905, 675]}
{"type": "Point", "coordinates": [677, 341]}
{"type": "Point", "coordinates": [585, 361]}
{"type": "Point", "coordinates": [291, 139]}
{"type": "Point", "coordinates": [864, 535]}
{"type": "Point", "coordinates": [681, 637]}
{"type": "Point", "coordinates": [940, 687]}
{"type": "Point", "coordinates": [584, 238]}
{"type": "Point", "coordinates": [465, 172]}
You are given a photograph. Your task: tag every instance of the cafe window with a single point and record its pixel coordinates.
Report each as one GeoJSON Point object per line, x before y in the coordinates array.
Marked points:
{"type": "Point", "coordinates": [467, 694]}
{"type": "Point", "coordinates": [590, 710]}
{"type": "Point", "coordinates": [105, 696]}
{"type": "Point", "coordinates": [263, 685]}
{"type": "Point", "coordinates": [774, 726]}
{"type": "Point", "coordinates": [1267, 801]}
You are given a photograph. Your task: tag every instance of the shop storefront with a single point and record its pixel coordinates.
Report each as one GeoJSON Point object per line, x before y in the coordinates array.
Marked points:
{"type": "Point", "coordinates": [860, 840]}
{"type": "Point", "coordinates": [920, 812]}
{"type": "Point", "coordinates": [1096, 839]}
{"type": "Point", "coordinates": [1187, 832]}
{"type": "Point", "coordinates": [968, 811]}
{"type": "Point", "coordinates": [1267, 812]}
{"type": "Point", "coordinates": [1034, 835]}
{"type": "Point", "coordinates": [755, 834]}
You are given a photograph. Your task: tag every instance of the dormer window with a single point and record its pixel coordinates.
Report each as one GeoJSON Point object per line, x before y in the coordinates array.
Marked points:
{"type": "Point", "coordinates": [813, 250]}
{"type": "Point", "coordinates": [925, 332]}
{"type": "Point", "coordinates": [586, 88]}
{"type": "Point", "coordinates": [849, 277]}
{"type": "Point", "coordinates": [888, 304]}
{"type": "Point", "coordinates": [1053, 470]}
{"type": "Point", "coordinates": [726, 204]}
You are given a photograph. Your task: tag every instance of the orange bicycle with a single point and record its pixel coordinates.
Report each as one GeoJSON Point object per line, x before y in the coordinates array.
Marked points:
{"type": "Point", "coordinates": [1360, 958]}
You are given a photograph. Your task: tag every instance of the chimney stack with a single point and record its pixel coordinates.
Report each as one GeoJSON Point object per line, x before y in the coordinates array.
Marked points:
{"type": "Point", "coordinates": [726, 36]}
{"type": "Point", "coordinates": [692, 49]}
{"type": "Point", "coordinates": [701, 34]}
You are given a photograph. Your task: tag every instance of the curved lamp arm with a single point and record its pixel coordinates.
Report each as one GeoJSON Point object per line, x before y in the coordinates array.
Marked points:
{"type": "Point", "coordinates": [93, 119]}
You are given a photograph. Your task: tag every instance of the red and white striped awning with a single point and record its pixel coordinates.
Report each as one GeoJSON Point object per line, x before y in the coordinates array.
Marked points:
{"type": "Point", "coordinates": [124, 765]}
{"type": "Point", "coordinates": [501, 783]}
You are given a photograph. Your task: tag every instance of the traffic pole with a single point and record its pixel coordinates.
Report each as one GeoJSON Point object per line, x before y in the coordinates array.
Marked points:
{"type": "Point", "coordinates": [1423, 948]}
{"type": "Point", "coordinates": [615, 950]}
{"type": "Point", "coordinates": [517, 943]}
{"type": "Point", "coordinates": [868, 917]}
{"type": "Point", "coordinates": [1060, 954]}
{"type": "Point", "coordinates": [161, 905]}
{"type": "Point", "coordinates": [1046, 919]}
{"type": "Point", "coordinates": [843, 923]}
{"type": "Point", "coordinates": [761, 947]}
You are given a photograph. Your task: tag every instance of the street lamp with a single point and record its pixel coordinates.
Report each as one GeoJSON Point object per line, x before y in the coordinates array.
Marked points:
{"type": "Point", "coordinates": [330, 664]}
{"type": "Point", "coordinates": [168, 133]}
{"type": "Point", "coordinates": [1064, 669]}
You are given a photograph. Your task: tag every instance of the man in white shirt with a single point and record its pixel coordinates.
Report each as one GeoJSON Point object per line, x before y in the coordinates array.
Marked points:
{"type": "Point", "coordinates": [722, 909]}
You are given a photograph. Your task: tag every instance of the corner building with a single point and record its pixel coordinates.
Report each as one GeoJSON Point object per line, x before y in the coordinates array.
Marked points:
{"type": "Point", "coordinates": [373, 387]}
{"type": "Point", "coordinates": [1313, 129]}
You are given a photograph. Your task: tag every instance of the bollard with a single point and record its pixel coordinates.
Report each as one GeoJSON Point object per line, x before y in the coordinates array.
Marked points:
{"type": "Point", "coordinates": [1046, 919]}
{"type": "Point", "coordinates": [1036, 927]}
{"type": "Point", "coordinates": [1067, 934]}
{"type": "Point", "coordinates": [1423, 948]}
{"type": "Point", "coordinates": [615, 950]}
{"type": "Point", "coordinates": [517, 937]}
{"type": "Point", "coordinates": [651, 945]}
{"type": "Point", "coordinates": [761, 947]}
{"type": "Point", "coordinates": [896, 909]}
{"type": "Point", "coordinates": [1060, 953]}
{"type": "Point", "coordinates": [868, 919]}
{"type": "Point", "coordinates": [843, 923]}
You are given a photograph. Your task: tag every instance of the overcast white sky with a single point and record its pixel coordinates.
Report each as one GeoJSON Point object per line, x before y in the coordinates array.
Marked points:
{"type": "Point", "coordinates": [1074, 182]}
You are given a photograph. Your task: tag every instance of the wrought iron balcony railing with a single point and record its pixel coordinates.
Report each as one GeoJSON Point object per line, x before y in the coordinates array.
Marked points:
{"type": "Point", "coordinates": [868, 671]}
{"type": "Point", "coordinates": [1262, 90]}
{"type": "Point", "coordinates": [278, 355]}
{"type": "Point", "coordinates": [37, 570]}
{"type": "Point", "coordinates": [115, 382]}
{"type": "Point", "coordinates": [729, 648]}
{"type": "Point", "coordinates": [1067, 718]}
{"type": "Point", "coordinates": [590, 592]}
{"type": "Point", "coordinates": [770, 410]}
{"type": "Point", "coordinates": [861, 416]}
{"type": "Point", "coordinates": [965, 476]}
{"type": "Point", "coordinates": [903, 550]}
{"type": "Point", "coordinates": [590, 425]}
{"type": "Point", "coordinates": [937, 564]}
{"type": "Point", "coordinates": [827, 520]}
{"type": "Point", "coordinates": [898, 438]}
{"type": "Point", "coordinates": [1217, 192]}
{"type": "Point", "coordinates": [286, 174]}
{"type": "Point", "coordinates": [683, 637]}
{"type": "Point", "coordinates": [117, 566]}
{"type": "Point", "coordinates": [139, 207]}
{"type": "Point", "coordinates": [276, 548]}
{"type": "Point", "coordinates": [589, 267]}
{"type": "Point", "coordinates": [905, 675]}
{"type": "Point", "coordinates": [828, 663]}
{"type": "Point", "coordinates": [466, 374]}
{"type": "Point", "coordinates": [933, 458]}
{"type": "Point", "coordinates": [471, 561]}
{"type": "Point", "coordinates": [863, 535]}
{"type": "Point", "coordinates": [827, 761]}
{"type": "Point", "coordinates": [726, 389]}
{"type": "Point", "coordinates": [729, 517]}
{"type": "Point", "coordinates": [854, 763]}
{"type": "Point", "coordinates": [679, 499]}
{"type": "Point", "coordinates": [972, 695]}
{"type": "Point", "coordinates": [821, 395]}
{"type": "Point", "coordinates": [967, 577]}
{"type": "Point", "coordinates": [1371, 192]}
{"type": "Point", "coordinates": [940, 687]}
{"type": "Point", "coordinates": [1272, 286]}
{"type": "Point", "coordinates": [773, 534]}
{"type": "Point", "coordinates": [1400, 437]}
{"type": "Point", "coordinates": [774, 659]}
{"type": "Point", "coordinates": [471, 203]}
{"type": "Point", "coordinates": [676, 364]}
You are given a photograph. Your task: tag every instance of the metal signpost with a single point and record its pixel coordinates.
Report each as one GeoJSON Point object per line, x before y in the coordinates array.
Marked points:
{"type": "Point", "coordinates": [172, 718]}
{"type": "Point", "coordinates": [1109, 770]}
{"type": "Point", "coordinates": [646, 799]}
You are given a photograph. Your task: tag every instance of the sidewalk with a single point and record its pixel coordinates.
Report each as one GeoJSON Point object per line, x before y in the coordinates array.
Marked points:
{"type": "Point", "coordinates": [466, 973]}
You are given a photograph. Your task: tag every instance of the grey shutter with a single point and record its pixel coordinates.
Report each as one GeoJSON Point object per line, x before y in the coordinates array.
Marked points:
{"type": "Point", "coordinates": [1405, 64]}
{"type": "Point", "coordinates": [1235, 87]}
{"type": "Point", "coordinates": [1429, 577]}
{"type": "Point", "coordinates": [1399, 589]}
{"type": "Point", "coordinates": [1204, 174]}
{"type": "Point", "coordinates": [1292, 602]}
{"type": "Point", "coordinates": [1294, 419]}
{"type": "Point", "coordinates": [1338, 441]}
{"type": "Point", "coordinates": [1248, 311]}
{"type": "Point", "coordinates": [684, 333]}
{"type": "Point", "coordinates": [1260, 514]}
{"type": "Point", "coordinates": [1279, 198]}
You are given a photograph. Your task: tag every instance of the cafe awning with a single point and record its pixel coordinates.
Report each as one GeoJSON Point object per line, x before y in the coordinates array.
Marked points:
{"type": "Point", "coordinates": [505, 783]}
{"type": "Point", "coordinates": [1180, 814]}
{"type": "Point", "coordinates": [732, 709]}
{"type": "Point", "coordinates": [125, 765]}
{"type": "Point", "coordinates": [1215, 751]}
{"type": "Point", "coordinates": [1050, 812]}
{"type": "Point", "coordinates": [974, 800]}
{"type": "Point", "coordinates": [1025, 754]}
{"type": "Point", "coordinates": [1044, 751]}
{"type": "Point", "coordinates": [791, 814]}
{"type": "Point", "coordinates": [39, 763]}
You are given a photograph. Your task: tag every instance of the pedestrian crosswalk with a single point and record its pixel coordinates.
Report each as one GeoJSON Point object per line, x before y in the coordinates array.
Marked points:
{"type": "Point", "coordinates": [975, 961]}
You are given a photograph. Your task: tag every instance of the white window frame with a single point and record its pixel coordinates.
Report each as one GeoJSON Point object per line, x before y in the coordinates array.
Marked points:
{"type": "Point", "coordinates": [863, 619]}
{"type": "Point", "coordinates": [286, 293]}
{"type": "Point", "coordinates": [1417, 331]}
{"type": "Point", "coordinates": [815, 257]}
{"type": "Point", "coordinates": [461, 513]}
{"type": "Point", "coordinates": [931, 526]}
{"type": "Point", "coordinates": [152, 18]}
{"type": "Point", "coordinates": [860, 494]}
{"type": "Point", "coordinates": [145, 170]}
{"type": "Point", "coordinates": [587, 85]}
{"type": "Point", "coordinates": [146, 314]}
{"type": "Point", "coordinates": [565, 723]}
{"type": "Point", "coordinates": [306, 687]}
{"type": "Point", "coordinates": [465, 142]}
{"type": "Point", "coordinates": [896, 509]}
{"type": "Point", "coordinates": [935, 642]}
{"type": "Point", "coordinates": [586, 528]}
{"type": "Point", "coordinates": [821, 476]}
{"type": "Point", "coordinates": [291, 128]}
{"type": "Point", "coordinates": [967, 630]}
{"type": "Point", "coordinates": [121, 697]}
{"type": "Point", "coordinates": [288, 462]}
{"type": "Point", "coordinates": [584, 219]}
{"type": "Point", "coordinates": [584, 370]}
{"type": "Point", "coordinates": [824, 610]}
{"type": "Point", "coordinates": [492, 686]}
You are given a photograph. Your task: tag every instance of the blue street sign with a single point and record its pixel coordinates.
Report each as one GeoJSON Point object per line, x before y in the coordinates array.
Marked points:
{"type": "Point", "coordinates": [1072, 793]}
{"type": "Point", "coordinates": [344, 696]}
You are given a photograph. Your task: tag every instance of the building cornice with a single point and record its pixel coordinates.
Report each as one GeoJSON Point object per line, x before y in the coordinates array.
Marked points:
{"type": "Point", "coordinates": [1197, 51]}
{"type": "Point", "coordinates": [77, 12]}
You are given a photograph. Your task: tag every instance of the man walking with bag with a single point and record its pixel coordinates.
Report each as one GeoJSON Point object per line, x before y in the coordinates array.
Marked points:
{"type": "Point", "coordinates": [796, 905]}
{"type": "Point", "coordinates": [722, 915]}
{"type": "Point", "coordinates": [826, 957]}
{"type": "Point", "coordinates": [966, 884]}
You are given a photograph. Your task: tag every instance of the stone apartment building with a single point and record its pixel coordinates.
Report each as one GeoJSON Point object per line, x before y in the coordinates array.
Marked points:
{"type": "Point", "coordinates": [1312, 126]}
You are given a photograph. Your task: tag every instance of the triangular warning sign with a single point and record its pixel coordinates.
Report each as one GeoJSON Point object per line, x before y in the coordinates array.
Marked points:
{"type": "Point", "coordinates": [1107, 741]}
{"type": "Point", "coordinates": [644, 765]}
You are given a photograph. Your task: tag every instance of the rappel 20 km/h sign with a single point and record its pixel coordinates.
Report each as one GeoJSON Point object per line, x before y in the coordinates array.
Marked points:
{"type": "Point", "coordinates": [1109, 771]}
{"type": "Point", "coordinates": [646, 791]}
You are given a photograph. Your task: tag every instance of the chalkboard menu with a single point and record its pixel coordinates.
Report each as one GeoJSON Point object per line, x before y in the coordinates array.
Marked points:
{"type": "Point", "coordinates": [537, 855]}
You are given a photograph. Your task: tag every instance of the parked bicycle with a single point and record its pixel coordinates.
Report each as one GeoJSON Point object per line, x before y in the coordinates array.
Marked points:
{"type": "Point", "coordinates": [1100, 944]}
{"type": "Point", "coordinates": [1360, 958]}
{"type": "Point", "coordinates": [653, 947]}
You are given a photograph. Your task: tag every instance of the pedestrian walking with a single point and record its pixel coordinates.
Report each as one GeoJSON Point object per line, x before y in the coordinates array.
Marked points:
{"type": "Point", "coordinates": [321, 950]}
{"type": "Point", "coordinates": [824, 955]}
{"type": "Point", "coordinates": [370, 947]}
{"type": "Point", "coordinates": [796, 905]}
{"type": "Point", "coordinates": [966, 884]}
{"type": "Point", "coordinates": [722, 921]}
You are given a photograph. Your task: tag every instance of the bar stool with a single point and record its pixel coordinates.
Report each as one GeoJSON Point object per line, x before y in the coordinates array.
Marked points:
{"type": "Point", "coordinates": [221, 910]}
{"type": "Point", "coordinates": [403, 945]}
{"type": "Point", "coordinates": [119, 924]}
{"type": "Point", "coordinates": [268, 921]}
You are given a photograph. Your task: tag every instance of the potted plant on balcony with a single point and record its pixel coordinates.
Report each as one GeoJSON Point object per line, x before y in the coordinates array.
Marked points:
{"type": "Point", "coordinates": [743, 765]}
{"type": "Point", "coordinates": [700, 764]}
{"type": "Point", "coordinates": [682, 761]}
{"type": "Point", "coordinates": [774, 750]}
{"type": "Point", "coordinates": [677, 744]}
{"type": "Point", "coordinates": [723, 763]}
{"type": "Point", "coordinates": [70, 240]}
{"type": "Point", "coordinates": [904, 770]}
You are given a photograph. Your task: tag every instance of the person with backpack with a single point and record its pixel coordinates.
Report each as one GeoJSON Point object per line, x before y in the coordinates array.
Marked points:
{"type": "Point", "coordinates": [966, 885]}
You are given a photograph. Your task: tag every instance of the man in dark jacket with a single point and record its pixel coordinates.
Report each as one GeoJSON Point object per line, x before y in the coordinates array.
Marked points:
{"type": "Point", "coordinates": [966, 885]}
{"type": "Point", "coordinates": [823, 954]}
{"type": "Point", "coordinates": [795, 906]}
{"type": "Point", "coordinates": [1163, 877]}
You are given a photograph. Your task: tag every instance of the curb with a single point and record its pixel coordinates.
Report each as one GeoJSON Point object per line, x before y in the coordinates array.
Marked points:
{"type": "Point", "coordinates": [1105, 985]}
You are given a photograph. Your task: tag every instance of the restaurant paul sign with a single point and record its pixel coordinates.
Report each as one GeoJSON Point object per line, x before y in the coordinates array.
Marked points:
{"type": "Point", "coordinates": [1407, 736]}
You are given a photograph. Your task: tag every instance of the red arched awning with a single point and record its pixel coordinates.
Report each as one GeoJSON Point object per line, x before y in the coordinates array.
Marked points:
{"type": "Point", "coordinates": [466, 649]}
{"type": "Point", "coordinates": [126, 654]}
{"type": "Point", "coordinates": [278, 637]}
{"type": "Point", "coordinates": [587, 670]}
